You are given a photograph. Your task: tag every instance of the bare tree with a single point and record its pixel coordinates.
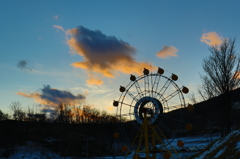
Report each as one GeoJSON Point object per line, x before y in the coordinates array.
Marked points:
{"type": "Point", "coordinates": [208, 89]}
{"type": "Point", "coordinates": [68, 113]}
{"type": "Point", "coordinates": [77, 113]}
{"type": "Point", "coordinates": [87, 113]}
{"type": "Point", "coordinates": [192, 98]}
{"type": "Point", "coordinates": [3, 116]}
{"type": "Point", "coordinates": [65, 113]}
{"type": "Point", "coordinates": [95, 115]}
{"type": "Point", "coordinates": [222, 70]}
{"type": "Point", "coordinates": [18, 113]}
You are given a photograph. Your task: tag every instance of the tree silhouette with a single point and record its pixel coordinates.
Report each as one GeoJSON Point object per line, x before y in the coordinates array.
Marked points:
{"type": "Point", "coordinates": [18, 112]}
{"type": "Point", "coordinates": [3, 116]}
{"type": "Point", "coordinates": [65, 113]}
{"type": "Point", "coordinates": [222, 75]}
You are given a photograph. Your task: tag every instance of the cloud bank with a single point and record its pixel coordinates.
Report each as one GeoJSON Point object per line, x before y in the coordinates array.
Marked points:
{"type": "Point", "coordinates": [167, 51]}
{"type": "Point", "coordinates": [211, 38]}
{"type": "Point", "coordinates": [53, 97]}
{"type": "Point", "coordinates": [103, 56]}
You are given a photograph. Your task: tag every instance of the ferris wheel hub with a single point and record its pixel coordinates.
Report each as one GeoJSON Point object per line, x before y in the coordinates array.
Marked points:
{"type": "Point", "coordinates": [150, 106]}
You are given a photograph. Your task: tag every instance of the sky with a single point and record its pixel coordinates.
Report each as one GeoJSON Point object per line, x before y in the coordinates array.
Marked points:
{"type": "Point", "coordinates": [82, 51]}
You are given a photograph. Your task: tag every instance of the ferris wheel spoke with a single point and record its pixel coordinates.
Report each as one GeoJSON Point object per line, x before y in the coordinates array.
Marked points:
{"type": "Point", "coordinates": [170, 96]}
{"type": "Point", "coordinates": [164, 88]}
{"type": "Point", "coordinates": [146, 85]}
{"type": "Point", "coordinates": [132, 96]}
{"type": "Point", "coordinates": [150, 86]}
{"type": "Point", "coordinates": [127, 114]}
{"type": "Point", "coordinates": [126, 104]}
{"type": "Point", "coordinates": [138, 88]}
{"type": "Point", "coordinates": [155, 83]}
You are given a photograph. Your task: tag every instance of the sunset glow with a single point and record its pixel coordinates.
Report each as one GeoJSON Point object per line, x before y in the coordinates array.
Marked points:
{"type": "Point", "coordinates": [57, 54]}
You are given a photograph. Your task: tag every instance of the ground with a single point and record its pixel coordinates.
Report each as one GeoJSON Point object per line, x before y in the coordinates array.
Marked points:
{"type": "Point", "coordinates": [195, 147]}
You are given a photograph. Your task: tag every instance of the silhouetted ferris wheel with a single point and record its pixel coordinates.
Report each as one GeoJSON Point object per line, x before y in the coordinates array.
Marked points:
{"type": "Point", "coordinates": [154, 98]}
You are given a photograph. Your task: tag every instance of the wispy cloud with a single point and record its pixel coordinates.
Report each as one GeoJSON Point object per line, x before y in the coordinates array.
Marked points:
{"type": "Point", "coordinates": [211, 38]}
{"type": "Point", "coordinates": [56, 17]}
{"type": "Point", "coordinates": [59, 28]}
{"type": "Point", "coordinates": [167, 51]}
{"type": "Point", "coordinates": [23, 64]}
{"type": "Point", "coordinates": [43, 70]}
{"type": "Point", "coordinates": [53, 97]}
{"type": "Point", "coordinates": [103, 56]}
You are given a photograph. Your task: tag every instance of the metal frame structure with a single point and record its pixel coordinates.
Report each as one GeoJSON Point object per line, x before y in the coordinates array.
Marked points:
{"type": "Point", "coordinates": [144, 104]}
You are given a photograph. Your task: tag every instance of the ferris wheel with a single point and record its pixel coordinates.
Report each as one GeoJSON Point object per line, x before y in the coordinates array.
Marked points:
{"type": "Point", "coordinates": [153, 96]}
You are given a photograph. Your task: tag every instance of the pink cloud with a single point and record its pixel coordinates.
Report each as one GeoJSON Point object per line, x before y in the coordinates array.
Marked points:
{"type": "Point", "coordinates": [103, 56]}
{"type": "Point", "coordinates": [211, 38]}
{"type": "Point", "coordinates": [53, 97]}
{"type": "Point", "coordinates": [167, 51]}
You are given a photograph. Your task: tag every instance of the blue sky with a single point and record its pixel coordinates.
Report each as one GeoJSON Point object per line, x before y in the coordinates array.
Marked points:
{"type": "Point", "coordinates": [36, 55]}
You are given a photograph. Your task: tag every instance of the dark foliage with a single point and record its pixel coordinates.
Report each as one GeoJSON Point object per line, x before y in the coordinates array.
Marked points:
{"type": "Point", "coordinates": [60, 138]}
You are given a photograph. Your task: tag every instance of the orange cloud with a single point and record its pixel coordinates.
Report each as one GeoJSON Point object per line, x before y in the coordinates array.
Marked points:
{"type": "Point", "coordinates": [37, 98]}
{"type": "Point", "coordinates": [94, 81]}
{"type": "Point", "coordinates": [105, 56]}
{"type": "Point", "coordinates": [167, 51]}
{"type": "Point", "coordinates": [53, 97]}
{"type": "Point", "coordinates": [110, 108]}
{"type": "Point", "coordinates": [211, 38]}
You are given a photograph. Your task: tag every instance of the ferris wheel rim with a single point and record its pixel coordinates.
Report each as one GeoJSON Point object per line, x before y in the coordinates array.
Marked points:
{"type": "Point", "coordinates": [135, 97]}
{"type": "Point", "coordinates": [131, 83]}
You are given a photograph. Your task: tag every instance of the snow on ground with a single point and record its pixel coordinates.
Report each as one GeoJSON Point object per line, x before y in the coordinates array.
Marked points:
{"type": "Point", "coordinates": [238, 145]}
{"type": "Point", "coordinates": [31, 151]}
{"type": "Point", "coordinates": [192, 146]}
{"type": "Point", "coordinates": [220, 152]}
{"type": "Point", "coordinates": [223, 146]}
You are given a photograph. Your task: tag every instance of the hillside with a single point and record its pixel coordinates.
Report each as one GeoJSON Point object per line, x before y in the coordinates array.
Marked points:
{"type": "Point", "coordinates": [228, 147]}
{"type": "Point", "coordinates": [207, 115]}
